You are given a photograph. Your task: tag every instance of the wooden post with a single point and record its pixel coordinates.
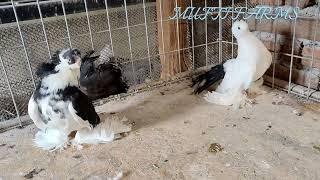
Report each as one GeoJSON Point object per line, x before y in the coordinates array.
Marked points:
{"type": "Point", "coordinates": [170, 62]}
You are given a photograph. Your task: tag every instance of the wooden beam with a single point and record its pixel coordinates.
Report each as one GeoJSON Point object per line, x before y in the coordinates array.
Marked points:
{"type": "Point", "coordinates": [168, 35]}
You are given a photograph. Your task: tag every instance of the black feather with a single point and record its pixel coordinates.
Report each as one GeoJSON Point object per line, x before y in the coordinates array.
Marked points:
{"type": "Point", "coordinates": [46, 69]}
{"type": "Point", "coordinates": [101, 81]}
{"type": "Point", "coordinates": [88, 57]}
{"type": "Point", "coordinates": [209, 78]}
{"type": "Point", "coordinates": [55, 59]}
{"type": "Point", "coordinates": [82, 104]}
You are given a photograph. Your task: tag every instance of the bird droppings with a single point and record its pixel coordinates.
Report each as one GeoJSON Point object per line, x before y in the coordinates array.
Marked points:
{"type": "Point", "coordinates": [268, 128]}
{"type": "Point", "coordinates": [124, 134]}
{"type": "Point", "coordinates": [77, 156]}
{"type": "Point", "coordinates": [21, 127]}
{"type": "Point", "coordinates": [31, 174]}
{"type": "Point", "coordinates": [278, 102]}
{"type": "Point", "coordinates": [1, 145]}
{"type": "Point", "coordinates": [191, 152]}
{"type": "Point", "coordinates": [156, 166]}
{"type": "Point", "coordinates": [316, 147]}
{"type": "Point", "coordinates": [215, 147]}
{"type": "Point", "coordinates": [297, 112]}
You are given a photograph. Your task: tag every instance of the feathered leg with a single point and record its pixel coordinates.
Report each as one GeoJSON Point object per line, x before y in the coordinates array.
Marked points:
{"type": "Point", "coordinates": [51, 139]}
{"type": "Point", "coordinates": [225, 99]}
{"type": "Point", "coordinates": [102, 133]}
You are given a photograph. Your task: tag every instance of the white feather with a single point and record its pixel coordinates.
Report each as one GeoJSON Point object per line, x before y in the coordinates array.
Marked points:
{"type": "Point", "coordinates": [35, 115]}
{"type": "Point", "coordinates": [117, 177]}
{"type": "Point", "coordinates": [51, 139]}
{"type": "Point", "coordinates": [100, 134]}
{"type": "Point", "coordinates": [252, 62]}
{"type": "Point", "coordinates": [105, 55]}
{"type": "Point", "coordinates": [60, 80]}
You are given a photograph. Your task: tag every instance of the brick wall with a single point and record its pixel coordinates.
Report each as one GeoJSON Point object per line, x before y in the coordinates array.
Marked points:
{"type": "Point", "coordinates": [304, 47]}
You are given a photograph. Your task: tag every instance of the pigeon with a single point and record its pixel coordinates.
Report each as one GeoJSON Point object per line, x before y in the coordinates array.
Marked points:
{"type": "Point", "coordinates": [238, 74]}
{"type": "Point", "coordinates": [58, 107]}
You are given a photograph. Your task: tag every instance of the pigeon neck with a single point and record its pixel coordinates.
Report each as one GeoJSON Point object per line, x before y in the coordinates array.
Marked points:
{"type": "Point", "coordinates": [62, 79]}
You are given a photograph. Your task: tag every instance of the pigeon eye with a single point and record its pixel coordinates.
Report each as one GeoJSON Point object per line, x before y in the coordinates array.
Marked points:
{"type": "Point", "coordinates": [239, 28]}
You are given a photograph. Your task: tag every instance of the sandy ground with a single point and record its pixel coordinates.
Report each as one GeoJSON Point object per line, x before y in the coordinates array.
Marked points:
{"type": "Point", "coordinates": [171, 140]}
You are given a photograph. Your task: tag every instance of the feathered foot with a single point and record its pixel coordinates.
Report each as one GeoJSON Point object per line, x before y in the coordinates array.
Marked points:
{"type": "Point", "coordinates": [236, 100]}
{"type": "Point", "coordinates": [257, 88]}
{"type": "Point", "coordinates": [244, 100]}
{"type": "Point", "coordinates": [223, 99]}
{"type": "Point", "coordinates": [51, 139]}
{"type": "Point", "coordinates": [98, 135]}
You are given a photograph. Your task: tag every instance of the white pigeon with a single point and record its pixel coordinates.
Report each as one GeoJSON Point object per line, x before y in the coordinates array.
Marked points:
{"type": "Point", "coordinates": [238, 74]}
{"type": "Point", "coordinates": [58, 107]}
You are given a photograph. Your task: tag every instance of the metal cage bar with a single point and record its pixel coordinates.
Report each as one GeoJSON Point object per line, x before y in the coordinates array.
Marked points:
{"type": "Point", "coordinates": [10, 90]}
{"type": "Point", "coordinates": [275, 25]}
{"type": "Point", "coordinates": [313, 51]}
{"type": "Point", "coordinates": [292, 51]}
{"type": "Point", "coordinates": [43, 28]}
{"type": "Point", "coordinates": [129, 39]}
{"type": "Point", "coordinates": [109, 26]}
{"type": "Point", "coordinates": [220, 33]}
{"type": "Point", "coordinates": [178, 40]}
{"type": "Point", "coordinates": [206, 33]}
{"type": "Point", "coordinates": [147, 35]}
{"type": "Point", "coordinates": [162, 33]}
{"type": "Point", "coordinates": [232, 38]}
{"type": "Point", "coordinates": [23, 44]}
{"type": "Point", "coordinates": [66, 22]}
{"type": "Point", "coordinates": [192, 40]}
{"type": "Point", "coordinates": [89, 25]}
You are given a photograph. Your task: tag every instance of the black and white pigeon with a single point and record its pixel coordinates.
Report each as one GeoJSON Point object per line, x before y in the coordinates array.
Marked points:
{"type": "Point", "coordinates": [58, 107]}
{"type": "Point", "coordinates": [101, 76]}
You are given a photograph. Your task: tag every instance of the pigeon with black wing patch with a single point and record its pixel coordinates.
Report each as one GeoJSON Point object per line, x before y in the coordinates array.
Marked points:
{"type": "Point", "coordinates": [58, 107]}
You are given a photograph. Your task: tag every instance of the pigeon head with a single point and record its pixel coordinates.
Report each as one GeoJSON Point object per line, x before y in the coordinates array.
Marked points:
{"type": "Point", "coordinates": [240, 28]}
{"type": "Point", "coordinates": [67, 59]}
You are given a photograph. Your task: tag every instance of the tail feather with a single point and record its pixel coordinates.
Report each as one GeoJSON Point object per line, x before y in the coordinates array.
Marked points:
{"type": "Point", "coordinates": [206, 80]}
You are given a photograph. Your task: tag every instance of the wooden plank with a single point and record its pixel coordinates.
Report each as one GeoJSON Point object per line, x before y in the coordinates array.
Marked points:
{"type": "Point", "coordinates": [170, 62]}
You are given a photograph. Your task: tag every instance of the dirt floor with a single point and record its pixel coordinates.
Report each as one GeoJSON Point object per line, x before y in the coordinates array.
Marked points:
{"type": "Point", "coordinates": [180, 136]}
